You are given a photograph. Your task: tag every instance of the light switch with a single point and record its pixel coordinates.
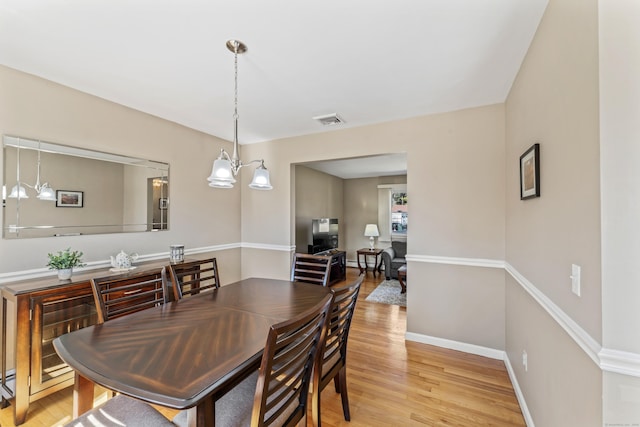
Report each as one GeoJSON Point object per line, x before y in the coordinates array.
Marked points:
{"type": "Point", "coordinates": [575, 279]}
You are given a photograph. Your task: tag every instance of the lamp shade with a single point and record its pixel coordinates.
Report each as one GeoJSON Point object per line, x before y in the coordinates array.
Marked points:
{"type": "Point", "coordinates": [47, 193]}
{"type": "Point", "coordinates": [18, 192]}
{"type": "Point", "coordinates": [371, 230]}
{"type": "Point", "coordinates": [219, 184]}
{"type": "Point", "coordinates": [221, 174]}
{"type": "Point", "coordinates": [261, 180]}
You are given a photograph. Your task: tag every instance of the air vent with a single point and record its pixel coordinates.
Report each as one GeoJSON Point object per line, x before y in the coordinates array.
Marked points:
{"type": "Point", "coordinates": [329, 119]}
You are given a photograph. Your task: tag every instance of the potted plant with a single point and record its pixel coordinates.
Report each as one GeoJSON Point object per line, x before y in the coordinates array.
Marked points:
{"type": "Point", "coordinates": [64, 261]}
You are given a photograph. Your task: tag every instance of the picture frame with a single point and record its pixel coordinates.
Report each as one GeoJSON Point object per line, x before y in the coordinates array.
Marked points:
{"type": "Point", "coordinates": [69, 199]}
{"type": "Point", "coordinates": [163, 203]}
{"type": "Point", "coordinates": [530, 173]}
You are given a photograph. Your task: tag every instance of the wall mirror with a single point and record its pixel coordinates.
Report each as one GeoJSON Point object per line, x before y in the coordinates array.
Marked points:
{"type": "Point", "coordinates": [57, 190]}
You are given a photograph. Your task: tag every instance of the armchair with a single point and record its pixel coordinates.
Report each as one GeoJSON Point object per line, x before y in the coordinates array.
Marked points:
{"type": "Point", "coordinates": [393, 258]}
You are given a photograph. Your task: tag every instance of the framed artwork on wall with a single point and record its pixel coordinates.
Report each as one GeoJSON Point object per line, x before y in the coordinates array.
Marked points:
{"type": "Point", "coordinates": [530, 173]}
{"type": "Point", "coordinates": [69, 199]}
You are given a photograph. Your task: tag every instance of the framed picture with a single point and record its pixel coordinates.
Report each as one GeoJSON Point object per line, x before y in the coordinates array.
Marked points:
{"type": "Point", "coordinates": [163, 203]}
{"type": "Point", "coordinates": [69, 199]}
{"type": "Point", "coordinates": [530, 173]}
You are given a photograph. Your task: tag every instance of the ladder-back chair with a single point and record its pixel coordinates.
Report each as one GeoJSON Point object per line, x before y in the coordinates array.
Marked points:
{"type": "Point", "coordinates": [334, 351]}
{"type": "Point", "coordinates": [117, 296]}
{"type": "Point", "coordinates": [193, 277]}
{"type": "Point", "coordinates": [314, 269]}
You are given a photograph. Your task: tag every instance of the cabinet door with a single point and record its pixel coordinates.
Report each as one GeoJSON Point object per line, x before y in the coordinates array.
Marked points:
{"type": "Point", "coordinates": [53, 314]}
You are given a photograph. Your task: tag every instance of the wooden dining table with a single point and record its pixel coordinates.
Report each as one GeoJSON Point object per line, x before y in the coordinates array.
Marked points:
{"type": "Point", "coordinates": [186, 353]}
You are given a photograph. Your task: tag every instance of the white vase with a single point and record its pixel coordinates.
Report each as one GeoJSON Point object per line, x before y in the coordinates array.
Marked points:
{"type": "Point", "coordinates": [65, 273]}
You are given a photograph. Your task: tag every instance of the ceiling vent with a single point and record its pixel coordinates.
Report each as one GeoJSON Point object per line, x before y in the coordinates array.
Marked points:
{"type": "Point", "coordinates": [329, 119]}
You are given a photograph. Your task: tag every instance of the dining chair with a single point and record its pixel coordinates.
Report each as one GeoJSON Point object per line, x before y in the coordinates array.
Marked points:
{"type": "Point", "coordinates": [277, 394]}
{"type": "Point", "coordinates": [193, 277]}
{"type": "Point", "coordinates": [334, 351]}
{"type": "Point", "coordinates": [311, 269]}
{"type": "Point", "coordinates": [117, 296]}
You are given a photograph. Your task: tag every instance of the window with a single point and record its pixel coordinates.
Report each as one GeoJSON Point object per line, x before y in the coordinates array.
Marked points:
{"type": "Point", "coordinates": [399, 213]}
{"type": "Point", "coordinates": [392, 211]}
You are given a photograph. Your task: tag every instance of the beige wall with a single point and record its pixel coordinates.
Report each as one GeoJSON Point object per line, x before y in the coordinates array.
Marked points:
{"type": "Point", "coordinates": [620, 156]}
{"type": "Point", "coordinates": [317, 195]}
{"type": "Point", "coordinates": [361, 208]}
{"type": "Point", "coordinates": [554, 101]}
{"type": "Point", "coordinates": [455, 181]}
{"type": "Point", "coordinates": [562, 385]}
{"type": "Point", "coordinates": [201, 216]}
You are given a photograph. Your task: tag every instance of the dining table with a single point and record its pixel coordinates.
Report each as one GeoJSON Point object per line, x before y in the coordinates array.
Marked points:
{"type": "Point", "coordinates": [187, 353]}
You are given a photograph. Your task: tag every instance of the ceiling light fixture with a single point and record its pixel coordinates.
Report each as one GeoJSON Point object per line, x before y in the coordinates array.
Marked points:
{"type": "Point", "coordinates": [225, 167]}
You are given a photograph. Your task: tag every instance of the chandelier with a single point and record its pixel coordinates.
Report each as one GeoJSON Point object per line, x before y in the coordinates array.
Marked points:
{"type": "Point", "coordinates": [44, 191]}
{"type": "Point", "coordinates": [225, 167]}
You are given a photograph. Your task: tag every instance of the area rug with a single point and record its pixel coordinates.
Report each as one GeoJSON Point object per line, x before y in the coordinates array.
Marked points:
{"type": "Point", "coordinates": [388, 292]}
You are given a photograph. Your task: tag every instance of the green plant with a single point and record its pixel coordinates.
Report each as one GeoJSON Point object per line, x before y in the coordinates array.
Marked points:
{"type": "Point", "coordinates": [65, 259]}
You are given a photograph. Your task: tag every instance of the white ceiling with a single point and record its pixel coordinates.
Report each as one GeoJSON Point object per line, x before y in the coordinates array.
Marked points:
{"type": "Point", "coordinates": [363, 167]}
{"type": "Point", "coordinates": [367, 60]}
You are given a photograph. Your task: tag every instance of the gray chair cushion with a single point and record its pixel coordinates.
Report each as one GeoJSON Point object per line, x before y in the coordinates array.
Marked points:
{"type": "Point", "coordinates": [234, 408]}
{"type": "Point", "coordinates": [122, 411]}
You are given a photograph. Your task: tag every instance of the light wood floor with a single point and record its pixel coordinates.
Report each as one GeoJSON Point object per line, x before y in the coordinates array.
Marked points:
{"type": "Point", "coordinates": [392, 382]}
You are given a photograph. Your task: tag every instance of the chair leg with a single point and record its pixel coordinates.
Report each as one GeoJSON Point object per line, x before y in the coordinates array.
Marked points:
{"type": "Point", "coordinates": [315, 408]}
{"type": "Point", "coordinates": [343, 393]}
{"type": "Point", "coordinates": [336, 383]}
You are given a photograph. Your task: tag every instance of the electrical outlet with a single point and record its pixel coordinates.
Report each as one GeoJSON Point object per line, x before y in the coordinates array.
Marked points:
{"type": "Point", "coordinates": [525, 361]}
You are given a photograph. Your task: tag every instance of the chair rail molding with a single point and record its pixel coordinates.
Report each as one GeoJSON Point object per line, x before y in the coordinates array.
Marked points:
{"type": "Point", "coordinates": [35, 273]}
{"type": "Point", "coordinates": [609, 360]}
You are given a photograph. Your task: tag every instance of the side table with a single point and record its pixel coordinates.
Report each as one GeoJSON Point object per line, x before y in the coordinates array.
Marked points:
{"type": "Point", "coordinates": [365, 252]}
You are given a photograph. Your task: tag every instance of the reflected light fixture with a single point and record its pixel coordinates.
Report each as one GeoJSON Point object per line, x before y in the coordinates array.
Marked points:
{"type": "Point", "coordinates": [18, 191]}
{"type": "Point", "coordinates": [371, 231]}
{"type": "Point", "coordinates": [225, 167]}
{"type": "Point", "coordinates": [45, 192]}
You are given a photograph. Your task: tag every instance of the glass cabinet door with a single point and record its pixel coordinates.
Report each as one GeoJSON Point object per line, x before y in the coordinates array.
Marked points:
{"type": "Point", "coordinates": [55, 314]}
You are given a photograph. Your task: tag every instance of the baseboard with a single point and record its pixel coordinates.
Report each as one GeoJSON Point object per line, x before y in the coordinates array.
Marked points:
{"type": "Point", "coordinates": [528, 419]}
{"type": "Point", "coordinates": [491, 353]}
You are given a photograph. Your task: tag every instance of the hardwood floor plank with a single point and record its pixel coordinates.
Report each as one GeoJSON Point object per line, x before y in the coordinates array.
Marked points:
{"type": "Point", "coordinates": [391, 382]}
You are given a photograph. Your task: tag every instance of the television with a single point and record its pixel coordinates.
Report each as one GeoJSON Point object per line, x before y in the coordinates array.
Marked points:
{"type": "Point", "coordinates": [325, 235]}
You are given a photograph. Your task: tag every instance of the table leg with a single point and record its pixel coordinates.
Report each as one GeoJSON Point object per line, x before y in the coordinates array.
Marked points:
{"type": "Point", "coordinates": [82, 395]}
{"type": "Point", "coordinates": [379, 264]}
{"type": "Point", "coordinates": [375, 264]}
{"type": "Point", "coordinates": [206, 415]}
{"type": "Point", "coordinates": [360, 266]}
{"type": "Point", "coordinates": [401, 277]}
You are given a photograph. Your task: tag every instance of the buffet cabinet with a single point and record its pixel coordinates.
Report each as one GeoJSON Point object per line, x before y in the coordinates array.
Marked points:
{"type": "Point", "coordinates": [33, 313]}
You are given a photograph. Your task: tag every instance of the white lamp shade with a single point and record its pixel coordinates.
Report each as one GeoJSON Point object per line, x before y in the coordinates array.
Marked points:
{"type": "Point", "coordinates": [220, 184]}
{"type": "Point", "coordinates": [261, 180]}
{"type": "Point", "coordinates": [221, 172]}
{"type": "Point", "coordinates": [47, 193]}
{"type": "Point", "coordinates": [18, 192]}
{"type": "Point", "coordinates": [371, 230]}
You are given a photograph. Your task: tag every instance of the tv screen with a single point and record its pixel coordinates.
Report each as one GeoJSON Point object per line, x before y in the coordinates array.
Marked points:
{"type": "Point", "coordinates": [325, 234]}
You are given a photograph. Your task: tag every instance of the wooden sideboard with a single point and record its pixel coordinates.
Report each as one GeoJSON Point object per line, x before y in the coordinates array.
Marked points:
{"type": "Point", "coordinates": [33, 313]}
{"type": "Point", "coordinates": [338, 261]}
